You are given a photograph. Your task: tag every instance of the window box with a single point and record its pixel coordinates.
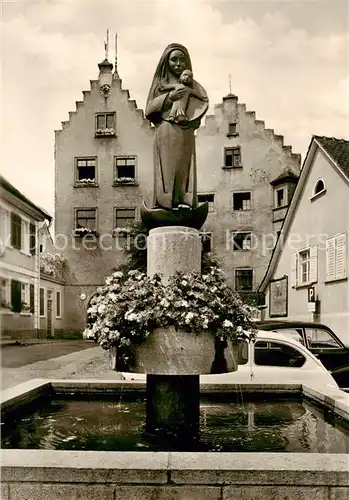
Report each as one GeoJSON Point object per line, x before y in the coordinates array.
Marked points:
{"type": "Point", "coordinates": [119, 181]}
{"type": "Point", "coordinates": [80, 232]}
{"type": "Point", "coordinates": [105, 132]}
{"type": "Point", "coordinates": [86, 183]}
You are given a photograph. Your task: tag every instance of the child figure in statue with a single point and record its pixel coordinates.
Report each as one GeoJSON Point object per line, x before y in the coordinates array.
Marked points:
{"type": "Point", "coordinates": [178, 109]}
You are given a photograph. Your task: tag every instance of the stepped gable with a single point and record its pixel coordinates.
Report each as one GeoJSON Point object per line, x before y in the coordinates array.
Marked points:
{"type": "Point", "coordinates": [116, 83]}
{"type": "Point", "coordinates": [338, 150]}
{"type": "Point", "coordinates": [211, 126]}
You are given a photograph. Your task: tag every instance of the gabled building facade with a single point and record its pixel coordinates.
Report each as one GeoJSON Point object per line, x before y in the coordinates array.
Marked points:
{"type": "Point", "coordinates": [238, 161]}
{"type": "Point", "coordinates": [307, 277]}
{"type": "Point", "coordinates": [104, 169]}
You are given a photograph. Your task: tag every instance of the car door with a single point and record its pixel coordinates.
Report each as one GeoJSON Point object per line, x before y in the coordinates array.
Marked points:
{"type": "Point", "coordinates": [327, 347]}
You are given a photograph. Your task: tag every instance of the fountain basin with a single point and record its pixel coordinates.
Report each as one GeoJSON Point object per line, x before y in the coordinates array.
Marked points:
{"type": "Point", "coordinates": [188, 475]}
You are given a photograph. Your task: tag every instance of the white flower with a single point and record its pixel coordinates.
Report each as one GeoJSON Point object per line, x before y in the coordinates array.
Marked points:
{"type": "Point", "coordinates": [101, 309]}
{"type": "Point", "coordinates": [227, 323]}
{"type": "Point", "coordinates": [118, 274]}
{"type": "Point", "coordinates": [184, 303]}
{"type": "Point", "coordinates": [108, 280]}
{"type": "Point", "coordinates": [214, 289]}
{"type": "Point", "coordinates": [190, 315]}
{"type": "Point", "coordinates": [184, 282]}
{"type": "Point", "coordinates": [164, 303]}
{"type": "Point", "coordinates": [239, 329]}
{"type": "Point", "coordinates": [130, 316]}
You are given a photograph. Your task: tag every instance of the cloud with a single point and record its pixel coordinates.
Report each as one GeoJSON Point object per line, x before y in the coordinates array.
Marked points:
{"type": "Point", "coordinates": [293, 76]}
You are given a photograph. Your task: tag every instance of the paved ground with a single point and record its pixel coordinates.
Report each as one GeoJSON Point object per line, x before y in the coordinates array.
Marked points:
{"type": "Point", "coordinates": [89, 363]}
{"type": "Point", "coordinates": [21, 355]}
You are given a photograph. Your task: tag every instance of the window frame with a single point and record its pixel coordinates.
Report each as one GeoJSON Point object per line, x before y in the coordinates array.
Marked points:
{"type": "Point", "coordinates": [105, 131]}
{"type": "Point", "coordinates": [305, 262]}
{"type": "Point", "coordinates": [125, 179]}
{"type": "Point", "coordinates": [233, 165]}
{"type": "Point", "coordinates": [277, 190]}
{"type": "Point", "coordinates": [322, 191]}
{"type": "Point", "coordinates": [232, 133]}
{"type": "Point", "coordinates": [235, 233]}
{"type": "Point", "coordinates": [236, 281]}
{"type": "Point", "coordinates": [85, 181]}
{"type": "Point", "coordinates": [77, 209]}
{"type": "Point", "coordinates": [211, 204]}
{"type": "Point", "coordinates": [241, 209]}
{"type": "Point", "coordinates": [117, 228]}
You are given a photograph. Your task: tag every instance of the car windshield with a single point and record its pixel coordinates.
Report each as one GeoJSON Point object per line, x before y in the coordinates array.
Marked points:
{"type": "Point", "coordinates": [294, 333]}
{"type": "Point", "coordinates": [321, 338]}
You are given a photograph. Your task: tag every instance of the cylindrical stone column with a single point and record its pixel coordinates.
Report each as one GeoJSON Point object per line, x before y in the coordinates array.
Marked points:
{"type": "Point", "coordinates": [173, 249]}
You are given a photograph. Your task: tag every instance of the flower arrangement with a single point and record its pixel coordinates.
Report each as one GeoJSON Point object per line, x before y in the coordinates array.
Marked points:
{"type": "Point", "coordinates": [80, 232]}
{"type": "Point", "coordinates": [125, 180]}
{"type": "Point", "coordinates": [52, 264]}
{"type": "Point", "coordinates": [105, 131]}
{"type": "Point", "coordinates": [125, 311]}
{"type": "Point", "coordinates": [25, 307]}
{"type": "Point", "coordinates": [86, 181]}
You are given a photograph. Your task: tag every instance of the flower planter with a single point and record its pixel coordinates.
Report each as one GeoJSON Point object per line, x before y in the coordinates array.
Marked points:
{"type": "Point", "coordinates": [172, 352]}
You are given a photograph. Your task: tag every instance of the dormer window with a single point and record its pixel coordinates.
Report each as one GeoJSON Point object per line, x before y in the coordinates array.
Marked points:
{"type": "Point", "coordinates": [319, 187]}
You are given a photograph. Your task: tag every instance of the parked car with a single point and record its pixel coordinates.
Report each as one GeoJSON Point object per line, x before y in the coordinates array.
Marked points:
{"type": "Point", "coordinates": [320, 340]}
{"type": "Point", "coordinates": [273, 359]}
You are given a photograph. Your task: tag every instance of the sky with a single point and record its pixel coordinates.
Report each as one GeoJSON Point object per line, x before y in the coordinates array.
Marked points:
{"type": "Point", "coordinates": [288, 61]}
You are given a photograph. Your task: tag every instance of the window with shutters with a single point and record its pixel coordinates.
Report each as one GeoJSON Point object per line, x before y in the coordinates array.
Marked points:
{"type": "Point", "coordinates": [336, 257]}
{"type": "Point", "coordinates": [16, 295]}
{"type": "Point", "coordinates": [304, 267]}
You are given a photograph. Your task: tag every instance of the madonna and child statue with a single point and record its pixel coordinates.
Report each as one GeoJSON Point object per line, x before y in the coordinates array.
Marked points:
{"type": "Point", "coordinates": [176, 104]}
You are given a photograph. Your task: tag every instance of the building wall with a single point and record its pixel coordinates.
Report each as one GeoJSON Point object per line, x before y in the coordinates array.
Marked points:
{"type": "Point", "coordinates": [263, 157]}
{"type": "Point", "coordinates": [88, 266]}
{"type": "Point", "coordinates": [315, 221]}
